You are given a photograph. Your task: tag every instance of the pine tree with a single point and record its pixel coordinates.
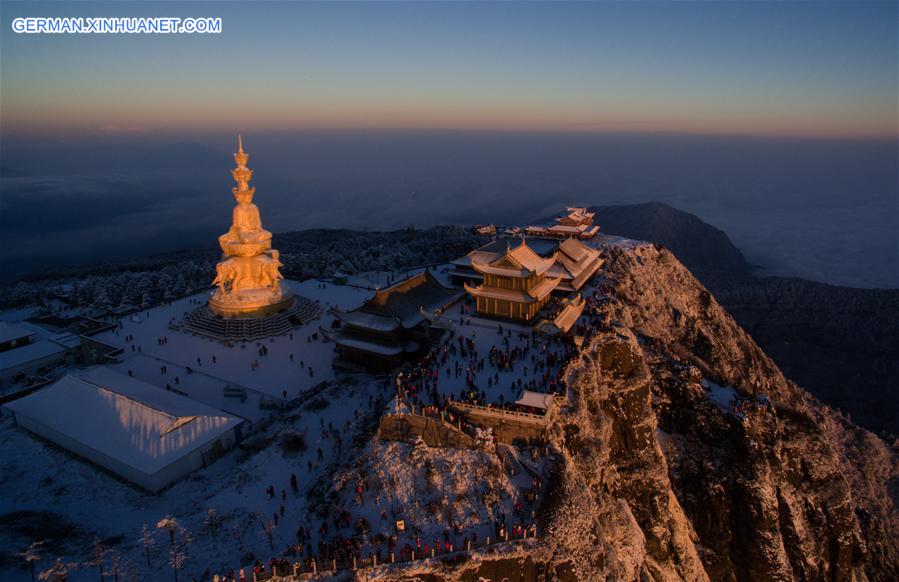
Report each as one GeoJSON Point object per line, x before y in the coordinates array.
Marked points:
{"type": "Point", "coordinates": [148, 541]}
{"type": "Point", "coordinates": [32, 555]}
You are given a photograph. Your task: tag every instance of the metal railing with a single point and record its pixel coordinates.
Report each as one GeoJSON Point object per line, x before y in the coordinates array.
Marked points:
{"type": "Point", "coordinates": [310, 568]}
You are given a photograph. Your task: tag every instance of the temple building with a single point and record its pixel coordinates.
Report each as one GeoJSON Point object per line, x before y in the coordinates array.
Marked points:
{"type": "Point", "coordinates": [576, 222]}
{"type": "Point", "coordinates": [574, 262]}
{"type": "Point", "coordinates": [14, 336]}
{"type": "Point", "coordinates": [392, 327]}
{"type": "Point", "coordinates": [569, 310]}
{"type": "Point", "coordinates": [576, 216]}
{"type": "Point", "coordinates": [516, 285]}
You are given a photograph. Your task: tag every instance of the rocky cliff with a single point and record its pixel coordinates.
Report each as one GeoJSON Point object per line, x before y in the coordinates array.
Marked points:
{"type": "Point", "coordinates": [660, 478]}
{"type": "Point", "coordinates": [840, 343]}
{"type": "Point", "coordinates": [788, 492]}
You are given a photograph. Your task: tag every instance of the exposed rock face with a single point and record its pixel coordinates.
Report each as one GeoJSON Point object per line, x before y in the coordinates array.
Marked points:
{"type": "Point", "coordinates": [615, 514]}
{"type": "Point", "coordinates": [793, 493]}
{"type": "Point", "coordinates": [656, 481]}
{"type": "Point", "coordinates": [840, 343]}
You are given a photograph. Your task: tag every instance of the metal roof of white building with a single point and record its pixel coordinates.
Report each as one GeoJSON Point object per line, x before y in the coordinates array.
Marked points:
{"type": "Point", "coordinates": [126, 419]}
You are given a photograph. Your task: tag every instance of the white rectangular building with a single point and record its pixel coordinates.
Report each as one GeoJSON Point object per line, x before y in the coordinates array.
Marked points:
{"type": "Point", "coordinates": [33, 358]}
{"type": "Point", "coordinates": [143, 433]}
{"type": "Point", "coordinates": [12, 336]}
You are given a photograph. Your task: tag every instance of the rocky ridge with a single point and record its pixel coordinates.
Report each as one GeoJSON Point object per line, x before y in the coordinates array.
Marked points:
{"type": "Point", "coordinates": [655, 480]}
{"type": "Point", "coordinates": [840, 343]}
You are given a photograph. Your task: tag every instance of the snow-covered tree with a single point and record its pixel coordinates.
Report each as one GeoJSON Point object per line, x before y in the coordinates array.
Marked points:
{"type": "Point", "coordinates": [177, 559]}
{"type": "Point", "coordinates": [212, 521]}
{"type": "Point", "coordinates": [268, 530]}
{"type": "Point", "coordinates": [115, 565]}
{"type": "Point", "coordinates": [147, 540]}
{"type": "Point", "coordinates": [32, 555]}
{"type": "Point", "coordinates": [58, 572]}
{"type": "Point", "coordinates": [187, 539]}
{"type": "Point", "coordinates": [170, 525]}
{"type": "Point", "coordinates": [98, 556]}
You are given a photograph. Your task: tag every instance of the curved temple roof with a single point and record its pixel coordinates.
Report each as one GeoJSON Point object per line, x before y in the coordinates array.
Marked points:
{"type": "Point", "coordinates": [400, 305]}
{"type": "Point", "coordinates": [521, 262]}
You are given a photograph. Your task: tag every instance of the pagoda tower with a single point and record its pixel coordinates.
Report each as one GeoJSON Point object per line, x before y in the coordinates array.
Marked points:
{"type": "Point", "coordinates": [248, 276]}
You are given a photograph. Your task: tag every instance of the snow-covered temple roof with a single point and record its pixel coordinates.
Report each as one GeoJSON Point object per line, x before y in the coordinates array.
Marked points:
{"type": "Point", "coordinates": [490, 251]}
{"type": "Point", "coordinates": [569, 315]}
{"type": "Point", "coordinates": [368, 321]}
{"type": "Point", "coordinates": [533, 295]}
{"type": "Point", "coordinates": [521, 261]}
{"type": "Point", "coordinates": [367, 345]}
{"type": "Point", "coordinates": [574, 261]}
{"type": "Point", "coordinates": [128, 420]}
{"type": "Point", "coordinates": [401, 304]}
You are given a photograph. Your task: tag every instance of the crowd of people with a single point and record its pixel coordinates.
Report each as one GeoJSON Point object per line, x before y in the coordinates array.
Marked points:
{"type": "Point", "coordinates": [457, 368]}
{"type": "Point", "coordinates": [535, 362]}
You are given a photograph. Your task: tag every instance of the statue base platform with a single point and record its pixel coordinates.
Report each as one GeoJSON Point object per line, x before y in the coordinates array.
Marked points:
{"type": "Point", "coordinates": [272, 320]}
{"type": "Point", "coordinates": [250, 305]}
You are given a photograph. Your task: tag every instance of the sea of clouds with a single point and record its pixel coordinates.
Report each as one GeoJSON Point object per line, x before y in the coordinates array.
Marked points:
{"type": "Point", "coordinates": [824, 210]}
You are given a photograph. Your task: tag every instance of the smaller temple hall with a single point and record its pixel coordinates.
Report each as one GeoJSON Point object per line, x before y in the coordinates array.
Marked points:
{"type": "Point", "coordinates": [392, 326]}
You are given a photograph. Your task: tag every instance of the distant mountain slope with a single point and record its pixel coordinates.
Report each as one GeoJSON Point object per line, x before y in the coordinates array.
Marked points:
{"type": "Point", "coordinates": [841, 343]}
{"type": "Point", "coordinates": [696, 244]}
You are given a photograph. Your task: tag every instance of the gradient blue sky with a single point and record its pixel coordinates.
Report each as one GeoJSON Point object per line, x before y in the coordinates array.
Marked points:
{"type": "Point", "coordinates": [769, 68]}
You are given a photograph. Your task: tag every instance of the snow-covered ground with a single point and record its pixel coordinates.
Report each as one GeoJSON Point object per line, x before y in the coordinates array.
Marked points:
{"type": "Point", "coordinates": [721, 396]}
{"type": "Point", "coordinates": [323, 441]}
{"type": "Point", "coordinates": [458, 492]}
{"type": "Point", "coordinates": [33, 481]}
{"type": "Point", "coordinates": [375, 279]}
{"type": "Point", "coordinates": [65, 490]}
{"type": "Point", "coordinates": [293, 363]}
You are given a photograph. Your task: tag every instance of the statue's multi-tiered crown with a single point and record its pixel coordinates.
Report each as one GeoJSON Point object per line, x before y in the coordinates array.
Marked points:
{"type": "Point", "coordinates": [242, 174]}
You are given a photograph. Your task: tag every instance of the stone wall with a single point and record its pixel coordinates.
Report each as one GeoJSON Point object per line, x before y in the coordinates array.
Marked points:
{"type": "Point", "coordinates": [435, 432]}
{"type": "Point", "coordinates": [508, 426]}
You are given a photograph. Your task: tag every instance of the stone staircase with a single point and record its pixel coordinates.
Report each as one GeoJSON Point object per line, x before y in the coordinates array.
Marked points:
{"type": "Point", "coordinates": [521, 474]}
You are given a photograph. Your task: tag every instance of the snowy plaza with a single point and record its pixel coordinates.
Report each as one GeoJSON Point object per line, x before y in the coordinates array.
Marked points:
{"type": "Point", "coordinates": [301, 425]}
{"type": "Point", "coordinates": [158, 350]}
{"type": "Point", "coordinates": [331, 481]}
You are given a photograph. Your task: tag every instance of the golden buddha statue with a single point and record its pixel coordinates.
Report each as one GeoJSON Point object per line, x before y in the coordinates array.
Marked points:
{"type": "Point", "coordinates": [246, 237]}
{"type": "Point", "coordinates": [248, 277]}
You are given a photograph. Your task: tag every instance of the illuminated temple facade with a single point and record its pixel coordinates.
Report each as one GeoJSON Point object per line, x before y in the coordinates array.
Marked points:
{"type": "Point", "coordinates": [516, 285]}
